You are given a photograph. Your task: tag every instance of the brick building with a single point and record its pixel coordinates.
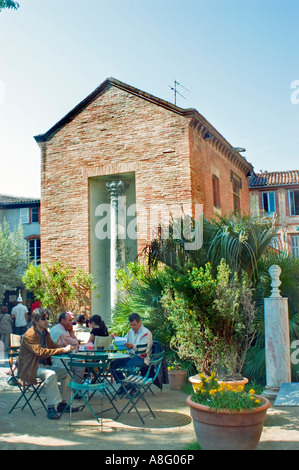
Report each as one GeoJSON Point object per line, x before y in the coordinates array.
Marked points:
{"type": "Point", "coordinates": [162, 154]}
{"type": "Point", "coordinates": [276, 194]}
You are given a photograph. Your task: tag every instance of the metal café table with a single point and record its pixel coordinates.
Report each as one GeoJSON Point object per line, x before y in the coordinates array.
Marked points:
{"type": "Point", "coordinates": [90, 355]}
{"type": "Point", "coordinates": [92, 360]}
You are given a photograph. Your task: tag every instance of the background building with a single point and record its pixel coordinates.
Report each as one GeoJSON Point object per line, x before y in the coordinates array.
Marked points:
{"type": "Point", "coordinates": [27, 211]}
{"type": "Point", "coordinates": [276, 194]}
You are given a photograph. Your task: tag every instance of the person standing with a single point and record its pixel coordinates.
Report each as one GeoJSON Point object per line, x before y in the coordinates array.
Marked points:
{"type": "Point", "coordinates": [19, 313]}
{"type": "Point", "coordinates": [5, 327]}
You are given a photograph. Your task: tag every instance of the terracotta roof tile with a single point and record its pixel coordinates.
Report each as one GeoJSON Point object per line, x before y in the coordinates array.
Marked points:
{"type": "Point", "coordinates": [274, 178]}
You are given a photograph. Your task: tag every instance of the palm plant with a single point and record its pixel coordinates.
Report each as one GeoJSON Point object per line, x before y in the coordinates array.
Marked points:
{"type": "Point", "coordinates": [241, 241]}
{"type": "Point", "coordinates": [143, 292]}
{"type": "Point", "coordinates": [238, 239]}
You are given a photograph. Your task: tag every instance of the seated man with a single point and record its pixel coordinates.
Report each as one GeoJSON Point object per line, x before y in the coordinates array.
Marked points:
{"type": "Point", "coordinates": [137, 336]}
{"type": "Point", "coordinates": [36, 350]}
{"type": "Point", "coordinates": [63, 334]}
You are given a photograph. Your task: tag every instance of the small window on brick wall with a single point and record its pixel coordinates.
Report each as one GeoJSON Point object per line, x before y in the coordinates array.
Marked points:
{"type": "Point", "coordinates": [237, 185]}
{"type": "Point", "coordinates": [216, 191]}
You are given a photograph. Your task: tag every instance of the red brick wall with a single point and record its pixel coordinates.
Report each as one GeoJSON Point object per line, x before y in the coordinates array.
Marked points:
{"type": "Point", "coordinates": [208, 158]}
{"type": "Point", "coordinates": [119, 133]}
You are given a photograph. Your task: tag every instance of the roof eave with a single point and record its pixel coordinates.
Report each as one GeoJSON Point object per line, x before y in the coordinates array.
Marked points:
{"type": "Point", "coordinates": [192, 113]}
{"type": "Point", "coordinates": [92, 96]}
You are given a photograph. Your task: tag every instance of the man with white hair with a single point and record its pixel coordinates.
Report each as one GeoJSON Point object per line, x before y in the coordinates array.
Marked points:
{"type": "Point", "coordinates": [20, 314]}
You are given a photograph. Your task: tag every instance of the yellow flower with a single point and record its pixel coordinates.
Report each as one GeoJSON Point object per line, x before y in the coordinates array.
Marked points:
{"type": "Point", "coordinates": [212, 392]}
{"type": "Point", "coordinates": [228, 387]}
{"type": "Point", "coordinates": [251, 391]}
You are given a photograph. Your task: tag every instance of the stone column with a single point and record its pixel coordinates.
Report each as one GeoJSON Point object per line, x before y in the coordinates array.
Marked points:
{"type": "Point", "coordinates": [117, 233]}
{"type": "Point", "coordinates": [277, 336]}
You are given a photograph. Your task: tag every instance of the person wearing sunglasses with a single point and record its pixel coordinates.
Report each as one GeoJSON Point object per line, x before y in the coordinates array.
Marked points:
{"type": "Point", "coordinates": [36, 350]}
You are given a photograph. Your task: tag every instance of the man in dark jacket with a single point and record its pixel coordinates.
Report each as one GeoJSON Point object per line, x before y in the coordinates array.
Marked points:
{"type": "Point", "coordinates": [35, 354]}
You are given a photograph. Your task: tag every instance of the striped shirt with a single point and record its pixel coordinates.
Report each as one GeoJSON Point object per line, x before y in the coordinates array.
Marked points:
{"type": "Point", "coordinates": [142, 337]}
{"type": "Point", "coordinates": [62, 337]}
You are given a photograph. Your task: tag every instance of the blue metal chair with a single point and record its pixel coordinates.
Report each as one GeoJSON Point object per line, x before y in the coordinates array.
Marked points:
{"type": "Point", "coordinates": [86, 390]}
{"type": "Point", "coordinates": [28, 391]}
{"type": "Point", "coordinates": [136, 386]}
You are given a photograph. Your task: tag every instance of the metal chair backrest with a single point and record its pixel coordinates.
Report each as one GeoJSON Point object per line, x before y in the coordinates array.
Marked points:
{"type": "Point", "coordinates": [154, 365]}
{"type": "Point", "coordinates": [102, 341]}
{"type": "Point", "coordinates": [15, 340]}
{"type": "Point", "coordinates": [89, 363]}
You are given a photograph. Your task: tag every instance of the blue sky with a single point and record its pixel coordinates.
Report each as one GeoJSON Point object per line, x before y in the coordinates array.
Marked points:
{"type": "Point", "coordinates": [237, 58]}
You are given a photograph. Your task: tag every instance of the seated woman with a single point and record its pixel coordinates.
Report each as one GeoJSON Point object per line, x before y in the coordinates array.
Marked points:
{"type": "Point", "coordinates": [80, 320]}
{"type": "Point", "coordinates": [98, 329]}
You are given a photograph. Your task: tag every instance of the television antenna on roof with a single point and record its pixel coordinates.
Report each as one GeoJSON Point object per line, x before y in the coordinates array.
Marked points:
{"type": "Point", "coordinates": [176, 91]}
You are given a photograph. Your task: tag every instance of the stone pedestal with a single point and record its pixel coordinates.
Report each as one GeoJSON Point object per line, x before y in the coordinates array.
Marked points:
{"type": "Point", "coordinates": [277, 337]}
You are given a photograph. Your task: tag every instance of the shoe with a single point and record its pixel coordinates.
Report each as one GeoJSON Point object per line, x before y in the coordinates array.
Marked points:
{"type": "Point", "coordinates": [52, 414]}
{"type": "Point", "coordinates": [63, 407]}
{"type": "Point", "coordinates": [120, 391]}
{"type": "Point", "coordinates": [133, 392]}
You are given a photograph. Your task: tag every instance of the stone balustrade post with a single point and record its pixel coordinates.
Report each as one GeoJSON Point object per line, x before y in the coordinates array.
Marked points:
{"type": "Point", "coordinates": [277, 336]}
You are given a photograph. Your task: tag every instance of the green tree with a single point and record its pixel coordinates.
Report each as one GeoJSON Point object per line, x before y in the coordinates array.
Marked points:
{"type": "Point", "coordinates": [13, 258]}
{"type": "Point", "coordinates": [8, 4]}
{"type": "Point", "coordinates": [59, 288]}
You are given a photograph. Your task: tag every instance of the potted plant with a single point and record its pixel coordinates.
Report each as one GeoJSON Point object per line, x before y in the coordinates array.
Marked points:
{"type": "Point", "coordinates": [213, 316]}
{"type": "Point", "coordinates": [176, 376]}
{"type": "Point", "coordinates": [225, 418]}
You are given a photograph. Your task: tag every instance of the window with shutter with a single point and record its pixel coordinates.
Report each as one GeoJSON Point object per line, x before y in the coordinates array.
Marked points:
{"type": "Point", "coordinates": [24, 215]}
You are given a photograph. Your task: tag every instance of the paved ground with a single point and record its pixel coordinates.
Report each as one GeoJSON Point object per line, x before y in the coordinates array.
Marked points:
{"type": "Point", "coordinates": [171, 430]}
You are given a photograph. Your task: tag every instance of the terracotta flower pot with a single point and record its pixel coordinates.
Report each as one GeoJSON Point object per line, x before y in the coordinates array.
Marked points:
{"type": "Point", "coordinates": [224, 431]}
{"type": "Point", "coordinates": [176, 378]}
{"type": "Point", "coordinates": [196, 380]}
